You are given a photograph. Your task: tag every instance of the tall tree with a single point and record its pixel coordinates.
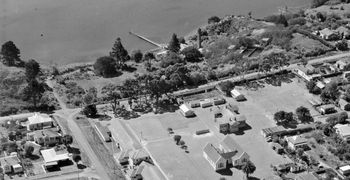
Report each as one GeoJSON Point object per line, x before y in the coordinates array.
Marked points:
{"type": "Point", "coordinates": [105, 66]}
{"type": "Point", "coordinates": [303, 114]}
{"type": "Point", "coordinates": [119, 53]}
{"type": "Point", "coordinates": [10, 54]}
{"type": "Point", "coordinates": [248, 168]}
{"type": "Point", "coordinates": [32, 69]}
{"type": "Point", "coordinates": [174, 44]}
{"type": "Point", "coordinates": [34, 91]}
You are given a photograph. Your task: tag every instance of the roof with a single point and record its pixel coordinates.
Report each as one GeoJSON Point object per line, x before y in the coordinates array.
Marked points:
{"type": "Point", "coordinates": [9, 160]}
{"type": "Point", "coordinates": [343, 129]}
{"type": "Point", "coordinates": [46, 133]}
{"type": "Point", "coordinates": [39, 118]}
{"type": "Point", "coordinates": [241, 118]}
{"type": "Point", "coordinates": [276, 145]}
{"type": "Point", "coordinates": [320, 84]}
{"type": "Point", "coordinates": [345, 168]}
{"type": "Point", "coordinates": [193, 91]}
{"type": "Point", "coordinates": [327, 106]}
{"type": "Point", "coordinates": [212, 153]}
{"type": "Point", "coordinates": [184, 108]}
{"type": "Point", "coordinates": [139, 154]}
{"type": "Point", "coordinates": [296, 140]}
{"type": "Point", "coordinates": [273, 130]}
{"type": "Point", "coordinates": [230, 145]}
{"type": "Point", "coordinates": [326, 32]}
{"type": "Point", "coordinates": [50, 155]}
{"type": "Point", "coordinates": [235, 92]}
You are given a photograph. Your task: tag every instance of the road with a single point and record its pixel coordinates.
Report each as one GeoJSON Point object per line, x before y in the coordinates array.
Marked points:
{"type": "Point", "coordinates": [78, 134]}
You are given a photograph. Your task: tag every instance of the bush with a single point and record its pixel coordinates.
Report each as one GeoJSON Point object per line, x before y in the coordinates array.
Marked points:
{"type": "Point", "coordinates": [226, 87]}
{"type": "Point", "coordinates": [136, 56]}
{"type": "Point", "coordinates": [76, 158]}
{"type": "Point", "coordinates": [297, 21]}
{"type": "Point", "coordinates": [277, 19]}
{"type": "Point", "coordinates": [213, 19]}
{"type": "Point", "coordinates": [280, 37]}
{"type": "Point", "coordinates": [170, 59]}
{"type": "Point", "coordinates": [105, 67]}
{"type": "Point", "coordinates": [342, 45]}
{"type": "Point", "coordinates": [347, 107]}
{"type": "Point", "coordinates": [191, 54]}
{"type": "Point", "coordinates": [90, 110]}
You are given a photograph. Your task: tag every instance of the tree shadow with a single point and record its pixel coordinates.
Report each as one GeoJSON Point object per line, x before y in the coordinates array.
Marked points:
{"type": "Point", "coordinates": [81, 166]}
{"type": "Point", "coordinates": [73, 150]}
{"type": "Point", "coordinates": [242, 130]}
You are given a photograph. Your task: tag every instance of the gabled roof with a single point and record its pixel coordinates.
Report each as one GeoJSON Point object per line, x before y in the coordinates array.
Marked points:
{"type": "Point", "coordinates": [296, 140]}
{"type": "Point", "coordinates": [230, 145]}
{"type": "Point", "coordinates": [46, 133]}
{"type": "Point", "coordinates": [9, 160]}
{"type": "Point", "coordinates": [184, 108]}
{"type": "Point", "coordinates": [212, 153]}
{"type": "Point", "coordinates": [39, 118]}
{"type": "Point", "coordinates": [327, 32]}
{"type": "Point", "coordinates": [50, 155]}
{"type": "Point", "coordinates": [241, 118]}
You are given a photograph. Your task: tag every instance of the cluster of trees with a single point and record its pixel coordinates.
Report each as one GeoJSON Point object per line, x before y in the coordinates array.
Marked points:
{"type": "Point", "coordinates": [311, 86]}
{"type": "Point", "coordinates": [283, 117]}
{"type": "Point", "coordinates": [302, 113]}
{"type": "Point", "coordinates": [330, 93]}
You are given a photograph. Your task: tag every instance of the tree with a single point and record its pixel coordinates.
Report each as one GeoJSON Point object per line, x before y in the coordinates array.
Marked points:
{"type": "Point", "coordinates": [136, 56]}
{"type": "Point", "coordinates": [90, 110]}
{"type": "Point", "coordinates": [226, 87]}
{"type": "Point", "coordinates": [300, 152]}
{"type": "Point", "coordinates": [191, 54]}
{"type": "Point", "coordinates": [105, 67]}
{"type": "Point", "coordinates": [32, 69]}
{"type": "Point", "coordinates": [10, 54]}
{"type": "Point", "coordinates": [174, 44]}
{"type": "Point", "coordinates": [248, 168]}
{"type": "Point", "coordinates": [303, 114]}
{"type": "Point", "coordinates": [342, 45]}
{"type": "Point", "coordinates": [177, 138]}
{"type": "Point", "coordinates": [34, 91]}
{"type": "Point", "coordinates": [67, 139]}
{"type": "Point", "coordinates": [347, 107]}
{"type": "Point", "coordinates": [342, 117]}
{"type": "Point", "coordinates": [76, 158]}
{"type": "Point", "coordinates": [170, 59]}
{"type": "Point", "coordinates": [29, 150]}
{"type": "Point", "coordinates": [119, 53]}
{"type": "Point", "coordinates": [213, 19]}
{"type": "Point", "coordinates": [148, 56]}
{"type": "Point", "coordinates": [279, 116]}
{"type": "Point", "coordinates": [330, 92]}
{"type": "Point", "coordinates": [113, 95]}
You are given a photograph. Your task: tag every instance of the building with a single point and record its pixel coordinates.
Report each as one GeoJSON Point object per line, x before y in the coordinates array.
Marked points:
{"type": "Point", "coordinates": [186, 111]}
{"type": "Point", "coordinates": [45, 137]}
{"type": "Point", "coordinates": [124, 157]}
{"type": "Point", "coordinates": [103, 132]}
{"type": "Point", "coordinates": [205, 103]}
{"type": "Point", "coordinates": [138, 156]}
{"type": "Point", "coordinates": [11, 164]}
{"type": "Point", "coordinates": [327, 109]}
{"type": "Point", "coordinates": [315, 102]}
{"type": "Point", "coordinates": [145, 171]}
{"type": "Point", "coordinates": [343, 130]}
{"type": "Point", "coordinates": [328, 34]}
{"type": "Point", "coordinates": [341, 64]}
{"type": "Point", "coordinates": [228, 153]}
{"type": "Point", "coordinates": [53, 157]}
{"type": "Point", "coordinates": [219, 101]}
{"type": "Point", "coordinates": [277, 130]}
{"type": "Point", "coordinates": [343, 32]}
{"type": "Point", "coordinates": [306, 72]}
{"type": "Point", "coordinates": [320, 85]}
{"type": "Point", "coordinates": [345, 170]}
{"type": "Point", "coordinates": [237, 95]}
{"type": "Point", "coordinates": [39, 121]}
{"type": "Point", "coordinates": [137, 173]}
{"type": "Point", "coordinates": [230, 124]}
{"type": "Point", "coordinates": [295, 142]}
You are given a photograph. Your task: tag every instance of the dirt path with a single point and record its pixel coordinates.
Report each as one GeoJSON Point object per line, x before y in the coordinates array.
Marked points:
{"type": "Point", "coordinates": [51, 84]}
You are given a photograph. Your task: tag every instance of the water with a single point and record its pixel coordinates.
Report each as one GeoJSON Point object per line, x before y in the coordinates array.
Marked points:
{"type": "Point", "coordinates": [65, 31]}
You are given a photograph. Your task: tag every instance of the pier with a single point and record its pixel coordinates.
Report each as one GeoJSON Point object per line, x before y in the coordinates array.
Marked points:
{"type": "Point", "coordinates": [146, 39]}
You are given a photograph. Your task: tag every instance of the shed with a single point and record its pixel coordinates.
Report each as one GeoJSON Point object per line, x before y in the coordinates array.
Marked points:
{"type": "Point", "coordinates": [186, 111]}
{"type": "Point", "coordinates": [219, 101]}
{"type": "Point", "coordinates": [237, 95]}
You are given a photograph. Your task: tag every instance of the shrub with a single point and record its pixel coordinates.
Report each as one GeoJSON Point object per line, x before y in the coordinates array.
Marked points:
{"type": "Point", "coordinates": [213, 19]}
{"type": "Point", "coordinates": [280, 37]}
{"type": "Point", "coordinates": [76, 158]}
{"type": "Point", "coordinates": [136, 55]}
{"type": "Point", "coordinates": [191, 54]}
{"type": "Point", "coordinates": [170, 59]}
{"type": "Point", "coordinates": [90, 110]}
{"type": "Point", "coordinates": [277, 19]}
{"type": "Point", "coordinates": [105, 67]}
{"type": "Point", "coordinates": [347, 107]}
{"type": "Point", "coordinates": [342, 45]}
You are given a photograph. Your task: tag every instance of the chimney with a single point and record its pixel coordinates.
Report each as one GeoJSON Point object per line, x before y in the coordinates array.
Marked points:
{"type": "Point", "coordinates": [199, 38]}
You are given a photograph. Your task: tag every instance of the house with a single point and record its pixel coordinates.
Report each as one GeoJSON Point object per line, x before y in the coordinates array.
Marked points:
{"type": "Point", "coordinates": [205, 103]}
{"type": "Point", "coordinates": [343, 32]}
{"type": "Point", "coordinates": [103, 132]}
{"type": "Point", "coordinates": [186, 111]}
{"type": "Point", "coordinates": [342, 103]}
{"type": "Point", "coordinates": [306, 72]}
{"type": "Point", "coordinates": [11, 164]}
{"type": "Point", "coordinates": [320, 85]}
{"type": "Point", "coordinates": [295, 142]}
{"type": "Point", "coordinates": [306, 176]}
{"type": "Point", "coordinates": [237, 95]}
{"type": "Point", "coordinates": [345, 170]}
{"type": "Point", "coordinates": [343, 130]}
{"type": "Point", "coordinates": [232, 125]}
{"type": "Point", "coordinates": [315, 102]}
{"type": "Point", "coordinates": [228, 153]}
{"type": "Point", "coordinates": [53, 157]}
{"type": "Point", "coordinates": [328, 34]}
{"type": "Point", "coordinates": [45, 137]}
{"type": "Point", "coordinates": [139, 156]}
{"type": "Point", "coordinates": [277, 147]}
{"type": "Point", "coordinates": [124, 157]}
{"type": "Point", "coordinates": [213, 156]}
{"type": "Point", "coordinates": [195, 104]}
{"type": "Point", "coordinates": [137, 173]}
{"type": "Point", "coordinates": [277, 130]}
{"type": "Point", "coordinates": [233, 150]}
{"type": "Point", "coordinates": [341, 64]}
{"type": "Point", "coordinates": [39, 121]}
{"type": "Point", "coordinates": [327, 109]}
{"type": "Point", "coordinates": [219, 101]}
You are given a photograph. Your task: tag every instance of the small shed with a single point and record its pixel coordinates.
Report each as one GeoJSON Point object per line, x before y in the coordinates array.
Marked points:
{"type": "Point", "coordinates": [195, 104]}
{"type": "Point", "coordinates": [206, 103]}
{"type": "Point", "coordinates": [237, 95]}
{"type": "Point", "coordinates": [186, 111]}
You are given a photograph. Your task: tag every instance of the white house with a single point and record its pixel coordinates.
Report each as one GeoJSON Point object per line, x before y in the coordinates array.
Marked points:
{"type": "Point", "coordinates": [228, 153]}
{"type": "Point", "coordinates": [52, 158]}
{"type": "Point", "coordinates": [343, 130]}
{"type": "Point", "coordinates": [186, 111]}
{"type": "Point", "coordinates": [39, 121]}
{"type": "Point", "coordinates": [237, 95]}
{"type": "Point", "coordinates": [328, 34]}
{"type": "Point", "coordinates": [345, 170]}
{"type": "Point", "coordinates": [11, 164]}
{"type": "Point", "coordinates": [295, 142]}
